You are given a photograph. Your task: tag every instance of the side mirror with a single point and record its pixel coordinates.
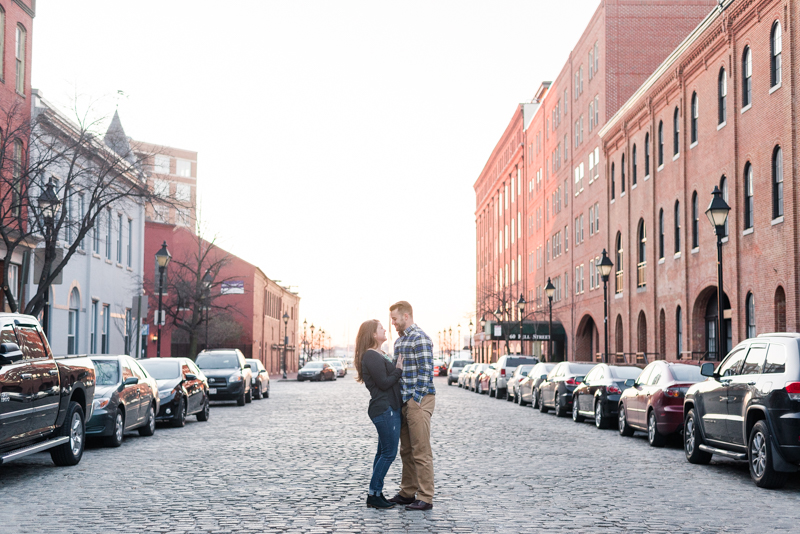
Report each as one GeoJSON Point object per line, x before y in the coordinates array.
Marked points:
{"type": "Point", "coordinates": [130, 381]}
{"type": "Point", "coordinates": [544, 377]}
{"type": "Point", "coordinates": [630, 382]}
{"type": "Point", "coordinates": [190, 376]}
{"type": "Point", "coordinates": [10, 353]}
{"type": "Point", "coordinates": [262, 371]}
{"type": "Point", "coordinates": [707, 369]}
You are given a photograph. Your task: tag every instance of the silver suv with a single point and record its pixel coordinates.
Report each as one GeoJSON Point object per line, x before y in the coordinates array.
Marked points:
{"type": "Point", "coordinates": [454, 371]}
{"type": "Point", "coordinates": [498, 383]}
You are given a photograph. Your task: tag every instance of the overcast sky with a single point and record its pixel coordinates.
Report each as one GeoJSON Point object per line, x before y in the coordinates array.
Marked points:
{"type": "Point", "coordinates": [338, 141]}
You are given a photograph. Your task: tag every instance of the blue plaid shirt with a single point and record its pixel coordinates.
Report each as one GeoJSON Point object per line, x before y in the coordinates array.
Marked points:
{"type": "Point", "coordinates": [417, 351]}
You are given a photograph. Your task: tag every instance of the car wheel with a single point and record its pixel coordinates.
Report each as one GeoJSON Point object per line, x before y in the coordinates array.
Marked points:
{"type": "Point", "coordinates": [576, 416]}
{"type": "Point", "coordinates": [205, 412]}
{"type": "Point", "coordinates": [521, 401]}
{"type": "Point", "coordinates": [654, 437]}
{"type": "Point", "coordinates": [501, 393]}
{"type": "Point", "coordinates": [512, 398]}
{"type": "Point", "coordinates": [492, 392]}
{"type": "Point", "coordinates": [71, 452]}
{"type": "Point", "coordinates": [759, 456]}
{"type": "Point", "coordinates": [542, 407]}
{"type": "Point", "coordinates": [248, 397]}
{"type": "Point", "coordinates": [266, 394]}
{"type": "Point", "coordinates": [478, 389]}
{"type": "Point", "coordinates": [149, 427]}
{"type": "Point", "coordinates": [241, 400]}
{"type": "Point", "coordinates": [599, 418]}
{"type": "Point", "coordinates": [692, 441]}
{"type": "Point", "coordinates": [115, 439]}
{"type": "Point", "coordinates": [259, 395]}
{"type": "Point", "coordinates": [624, 428]}
{"type": "Point", "coordinates": [179, 419]}
{"type": "Point", "coordinates": [449, 383]}
{"type": "Point", "coordinates": [557, 407]}
{"type": "Point", "coordinates": [534, 398]}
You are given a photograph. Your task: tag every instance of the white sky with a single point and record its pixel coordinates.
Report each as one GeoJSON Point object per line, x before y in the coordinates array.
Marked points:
{"type": "Point", "coordinates": [338, 141]}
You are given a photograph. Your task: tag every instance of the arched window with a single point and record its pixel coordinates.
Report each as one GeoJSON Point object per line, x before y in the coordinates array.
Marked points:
{"type": "Point", "coordinates": [723, 96]}
{"type": "Point", "coordinates": [747, 78]}
{"type": "Point", "coordinates": [618, 337]}
{"type": "Point", "coordinates": [676, 131]}
{"type": "Point", "coordinates": [642, 334]}
{"type": "Point", "coordinates": [679, 331]}
{"type": "Point", "coordinates": [695, 222]}
{"type": "Point", "coordinates": [661, 234]}
{"type": "Point", "coordinates": [618, 264]}
{"type": "Point", "coordinates": [723, 187]}
{"type": "Point", "coordinates": [660, 143]}
{"type": "Point", "coordinates": [695, 112]}
{"type": "Point", "coordinates": [612, 181]}
{"type": "Point", "coordinates": [780, 310]}
{"type": "Point", "coordinates": [677, 226]}
{"type": "Point", "coordinates": [777, 183]}
{"type": "Point", "coordinates": [72, 321]}
{"type": "Point", "coordinates": [775, 55]}
{"type": "Point", "coordinates": [622, 175]}
{"type": "Point", "coordinates": [750, 316]}
{"type": "Point", "coordinates": [647, 154]}
{"type": "Point", "coordinates": [633, 166]}
{"type": "Point", "coordinates": [662, 335]}
{"type": "Point", "coordinates": [641, 278]}
{"type": "Point", "coordinates": [748, 195]}
{"type": "Point", "coordinates": [20, 58]}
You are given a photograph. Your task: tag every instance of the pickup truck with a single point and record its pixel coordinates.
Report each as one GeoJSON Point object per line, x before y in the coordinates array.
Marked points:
{"type": "Point", "coordinates": [44, 402]}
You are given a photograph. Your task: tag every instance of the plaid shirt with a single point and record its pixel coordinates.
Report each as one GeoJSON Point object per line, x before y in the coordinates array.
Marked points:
{"type": "Point", "coordinates": [417, 351]}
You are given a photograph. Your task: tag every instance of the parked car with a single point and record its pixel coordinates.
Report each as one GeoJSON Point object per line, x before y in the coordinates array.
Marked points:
{"type": "Point", "coordinates": [126, 398]}
{"type": "Point", "coordinates": [482, 380]}
{"type": "Point", "coordinates": [455, 369]}
{"type": "Point", "coordinates": [260, 381]}
{"type": "Point", "coordinates": [475, 374]}
{"type": "Point", "coordinates": [529, 386]}
{"type": "Point", "coordinates": [44, 401]}
{"type": "Point", "coordinates": [556, 391]}
{"type": "Point", "coordinates": [229, 376]}
{"type": "Point", "coordinates": [517, 376]}
{"type": "Point", "coordinates": [317, 370]}
{"type": "Point", "coordinates": [439, 368]}
{"type": "Point", "coordinates": [463, 375]}
{"type": "Point", "coordinates": [654, 401]}
{"type": "Point", "coordinates": [598, 395]}
{"type": "Point", "coordinates": [749, 409]}
{"type": "Point", "coordinates": [182, 389]}
{"type": "Point", "coordinates": [337, 365]}
{"type": "Point", "coordinates": [498, 386]}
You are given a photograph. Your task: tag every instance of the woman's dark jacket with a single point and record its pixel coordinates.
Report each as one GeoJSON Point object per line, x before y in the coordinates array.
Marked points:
{"type": "Point", "coordinates": [382, 381]}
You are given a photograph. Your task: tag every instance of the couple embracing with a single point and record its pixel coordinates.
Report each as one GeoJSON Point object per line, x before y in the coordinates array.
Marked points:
{"type": "Point", "coordinates": [400, 407]}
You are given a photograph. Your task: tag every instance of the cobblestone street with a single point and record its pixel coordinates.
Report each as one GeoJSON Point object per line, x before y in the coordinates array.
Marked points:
{"type": "Point", "coordinates": [300, 462]}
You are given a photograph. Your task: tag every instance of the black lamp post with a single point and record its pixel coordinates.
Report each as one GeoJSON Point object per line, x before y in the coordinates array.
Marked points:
{"type": "Point", "coordinates": [285, 340]}
{"type": "Point", "coordinates": [311, 356]}
{"type": "Point", "coordinates": [550, 290]}
{"type": "Point", "coordinates": [483, 342]}
{"type": "Point", "coordinates": [305, 345]}
{"type": "Point", "coordinates": [459, 339]}
{"type": "Point", "coordinates": [162, 257]}
{"type": "Point", "coordinates": [470, 338]}
{"type": "Point", "coordinates": [322, 344]}
{"type": "Point", "coordinates": [717, 213]}
{"type": "Point", "coordinates": [521, 308]}
{"type": "Point", "coordinates": [208, 281]}
{"type": "Point", "coordinates": [605, 265]}
{"type": "Point", "coordinates": [48, 204]}
{"type": "Point", "coordinates": [451, 342]}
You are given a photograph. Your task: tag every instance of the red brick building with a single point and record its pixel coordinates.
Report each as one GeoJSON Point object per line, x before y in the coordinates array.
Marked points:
{"type": "Point", "coordinates": [541, 211]}
{"type": "Point", "coordinates": [259, 302]}
{"type": "Point", "coordinates": [724, 104]}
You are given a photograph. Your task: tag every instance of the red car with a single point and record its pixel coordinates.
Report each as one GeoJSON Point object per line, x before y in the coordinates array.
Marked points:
{"type": "Point", "coordinates": [484, 378]}
{"type": "Point", "coordinates": [654, 401]}
{"type": "Point", "coordinates": [439, 368]}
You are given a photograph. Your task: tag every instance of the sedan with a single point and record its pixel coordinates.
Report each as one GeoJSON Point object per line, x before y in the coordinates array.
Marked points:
{"type": "Point", "coordinates": [598, 395]}
{"type": "Point", "coordinates": [529, 386]}
{"type": "Point", "coordinates": [556, 391]}
{"type": "Point", "coordinates": [654, 401]}
{"type": "Point", "coordinates": [482, 380]}
{"type": "Point", "coordinates": [259, 384]}
{"type": "Point", "coordinates": [182, 388]}
{"type": "Point", "coordinates": [318, 371]}
{"type": "Point", "coordinates": [337, 365]}
{"type": "Point", "coordinates": [439, 368]}
{"type": "Point", "coordinates": [463, 376]}
{"type": "Point", "coordinates": [512, 386]}
{"type": "Point", "coordinates": [125, 398]}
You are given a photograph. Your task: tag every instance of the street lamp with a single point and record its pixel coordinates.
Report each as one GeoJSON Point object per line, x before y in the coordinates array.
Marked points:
{"type": "Point", "coordinates": [521, 308]}
{"type": "Point", "coordinates": [483, 339]}
{"type": "Point", "coordinates": [162, 257]}
{"type": "Point", "coordinates": [550, 290]}
{"type": "Point", "coordinates": [322, 344]}
{"type": "Point", "coordinates": [717, 213]}
{"type": "Point", "coordinates": [305, 345]}
{"type": "Point", "coordinates": [208, 281]}
{"type": "Point", "coordinates": [285, 340]}
{"type": "Point", "coordinates": [458, 339]}
{"type": "Point", "coordinates": [604, 266]}
{"type": "Point", "coordinates": [451, 343]}
{"type": "Point", "coordinates": [470, 338]}
{"type": "Point", "coordinates": [440, 344]}
{"type": "Point", "coordinates": [48, 204]}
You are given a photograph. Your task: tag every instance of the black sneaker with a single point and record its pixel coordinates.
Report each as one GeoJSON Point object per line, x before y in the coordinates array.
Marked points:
{"type": "Point", "coordinates": [376, 501]}
{"type": "Point", "coordinates": [399, 499]}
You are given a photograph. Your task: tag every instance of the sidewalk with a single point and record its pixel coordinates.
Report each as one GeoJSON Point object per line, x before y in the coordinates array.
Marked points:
{"type": "Point", "coordinates": [279, 377]}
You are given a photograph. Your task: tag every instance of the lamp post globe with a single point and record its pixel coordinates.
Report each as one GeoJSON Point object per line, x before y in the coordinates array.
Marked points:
{"type": "Point", "coordinates": [49, 202]}
{"type": "Point", "coordinates": [605, 265]}
{"type": "Point", "coordinates": [163, 258]}
{"type": "Point", "coordinates": [550, 290]}
{"type": "Point", "coordinates": [717, 213]}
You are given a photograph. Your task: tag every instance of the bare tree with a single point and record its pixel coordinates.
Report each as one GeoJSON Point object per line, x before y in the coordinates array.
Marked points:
{"type": "Point", "coordinates": [501, 305]}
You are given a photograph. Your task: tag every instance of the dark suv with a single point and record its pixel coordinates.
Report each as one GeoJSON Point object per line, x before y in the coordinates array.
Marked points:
{"type": "Point", "coordinates": [229, 376]}
{"type": "Point", "coordinates": [749, 409]}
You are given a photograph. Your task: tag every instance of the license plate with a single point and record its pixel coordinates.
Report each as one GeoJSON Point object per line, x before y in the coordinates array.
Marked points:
{"type": "Point", "coordinates": [212, 391]}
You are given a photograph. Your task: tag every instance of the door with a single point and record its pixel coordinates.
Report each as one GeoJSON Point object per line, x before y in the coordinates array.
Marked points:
{"type": "Point", "coordinates": [741, 389]}
{"type": "Point", "coordinates": [550, 386]}
{"type": "Point", "coordinates": [193, 393]}
{"type": "Point", "coordinates": [648, 390]}
{"type": "Point", "coordinates": [145, 389]}
{"type": "Point", "coordinates": [714, 397]}
{"type": "Point", "coordinates": [44, 381]}
{"type": "Point", "coordinates": [583, 393]}
{"type": "Point", "coordinates": [635, 404]}
{"type": "Point", "coordinates": [16, 405]}
{"type": "Point", "coordinates": [129, 396]}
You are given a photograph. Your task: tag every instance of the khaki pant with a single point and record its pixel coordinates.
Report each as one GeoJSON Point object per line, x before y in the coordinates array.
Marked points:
{"type": "Point", "coordinates": [415, 449]}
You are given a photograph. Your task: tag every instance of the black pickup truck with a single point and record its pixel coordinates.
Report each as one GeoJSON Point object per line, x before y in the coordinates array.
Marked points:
{"type": "Point", "coordinates": [44, 402]}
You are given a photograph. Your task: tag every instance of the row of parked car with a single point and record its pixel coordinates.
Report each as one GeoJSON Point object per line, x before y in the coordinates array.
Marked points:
{"type": "Point", "coordinates": [746, 407]}
{"type": "Point", "coordinates": [317, 371]}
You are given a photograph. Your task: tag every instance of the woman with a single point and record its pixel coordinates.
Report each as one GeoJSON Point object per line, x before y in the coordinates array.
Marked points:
{"type": "Point", "coordinates": [381, 377]}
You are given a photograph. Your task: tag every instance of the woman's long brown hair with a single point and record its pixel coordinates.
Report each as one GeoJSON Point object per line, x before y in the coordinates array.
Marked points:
{"type": "Point", "coordinates": [365, 340]}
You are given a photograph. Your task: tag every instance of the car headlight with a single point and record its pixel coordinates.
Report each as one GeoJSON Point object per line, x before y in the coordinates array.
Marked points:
{"type": "Point", "coordinates": [235, 377]}
{"type": "Point", "coordinates": [99, 404]}
{"type": "Point", "coordinates": [166, 393]}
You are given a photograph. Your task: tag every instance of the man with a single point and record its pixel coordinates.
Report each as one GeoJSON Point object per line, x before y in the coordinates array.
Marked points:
{"type": "Point", "coordinates": [413, 352]}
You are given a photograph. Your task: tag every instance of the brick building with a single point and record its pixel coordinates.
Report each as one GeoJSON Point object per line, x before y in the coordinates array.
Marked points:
{"type": "Point", "coordinates": [540, 208]}
{"type": "Point", "coordinates": [718, 112]}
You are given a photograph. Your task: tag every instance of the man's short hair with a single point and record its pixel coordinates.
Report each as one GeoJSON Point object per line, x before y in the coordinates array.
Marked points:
{"type": "Point", "coordinates": [403, 307]}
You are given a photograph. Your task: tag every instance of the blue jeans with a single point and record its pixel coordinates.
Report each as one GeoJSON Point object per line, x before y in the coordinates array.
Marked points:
{"type": "Point", "coordinates": [388, 426]}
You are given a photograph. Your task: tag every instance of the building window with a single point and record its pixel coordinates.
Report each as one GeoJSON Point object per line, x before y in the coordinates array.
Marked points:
{"type": "Point", "coordinates": [183, 168]}
{"type": "Point", "coordinates": [93, 328]}
{"type": "Point", "coordinates": [676, 131]}
{"type": "Point", "coordinates": [748, 196]}
{"type": "Point", "coordinates": [747, 79]}
{"type": "Point", "coordinates": [119, 238]}
{"type": "Point", "coordinates": [597, 110]}
{"type": "Point", "coordinates": [591, 115]}
{"type": "Point", "coordinates": [130, 242]}
{"type": "Point", "coordinates": [660, 143]}
{"type": "Point", "coordinates": [20, 55]}
{"type": "Point", "coordinates": [694, 117]}
{"type": "Point", "coordinates": [106, 323]}
{"type": "Point", "coordinates": [750, 315]}
{"type": "Point", "coordinates": [618, 265]}
{"type": "Point", "coordinates": [596, 57]}
{"type": "Point", "coordinates": [775, 55]}
{"type": "Point", "coordinates": [695, 222]}
{"type": "Point", "coordinates": [679, 331]}
{"type": "Point", "coordinates": [72, 322]}
{"type": "Point", "coordinates": [591, 221]}
{"type": "Point", "coordinates": [647, 154]}
{"type": "Point", "coordinates": [591, 63]}
{"type": "Point", "coordinates": [109, 233]}
{"type": "Point", "coordinates": [661, 234]}
{"type": "Point", "coordinates": [641, 279]}
{"type": "Point", "coordinates": [677, 226]}
{"type": "Point", "coordinates": [612, 181]}
{"type": "Point", "coordinates": [777, 183]}
{"type": "Point", "coordinates": [622, 174]}
{"type": "Point", "coordinates": [723, 186]}
{"type": "Point", "coordinates": [723, 96]}
{"type": "Point", "coordinates": [96, 234]}
{"type": "Point", "coordinates": [633, 166]}
{"type": "Point", "coordinates": [597, 217]}
{"type": "Point", "coordinates": [161, 165]}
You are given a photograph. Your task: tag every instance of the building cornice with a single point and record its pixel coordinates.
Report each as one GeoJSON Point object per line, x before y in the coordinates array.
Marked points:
{"type": "Point", "coordinates": [30, 10]}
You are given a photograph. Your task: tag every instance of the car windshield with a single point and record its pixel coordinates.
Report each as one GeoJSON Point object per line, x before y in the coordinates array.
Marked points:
{"type": "Point", "coordinates": [106, 372]}
{"type": "Point", "coordinates": [686, 373]}
{"type": "Point", "coordinates": [461, 363]}
{"type": "Point", "coordinates": [312, 365]}
{"type": "Point", "coordinates": [335, 363]}
{"type": "Point", "coordinates": [224, 360]}
{"type": "Point", "coordinates": [523, 370]}
{"type": "Point", "coordinates": [162, 369]}
{"type": "Point", "coordinates": [580, 368]}
{"type": "Point", "coordinates": [625, 372]}
{"type": "Point", "coordinates": [514, 362]}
